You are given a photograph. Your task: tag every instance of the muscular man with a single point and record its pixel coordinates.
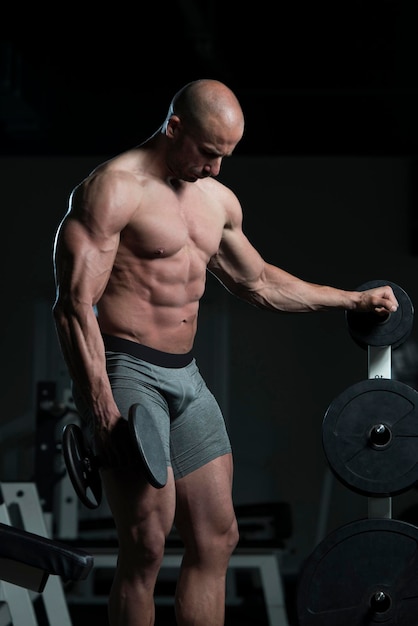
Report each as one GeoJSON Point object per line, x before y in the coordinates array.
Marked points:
{"type": "Point", "coordinates": [130, 262]}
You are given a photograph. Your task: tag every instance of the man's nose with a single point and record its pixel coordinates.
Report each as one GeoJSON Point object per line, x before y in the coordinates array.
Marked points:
{"type": "Point", "coordinates": [214, 167]}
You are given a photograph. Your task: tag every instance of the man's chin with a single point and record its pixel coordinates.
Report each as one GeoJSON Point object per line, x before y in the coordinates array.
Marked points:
{"type": "Point", "coordinates": [190, 179]}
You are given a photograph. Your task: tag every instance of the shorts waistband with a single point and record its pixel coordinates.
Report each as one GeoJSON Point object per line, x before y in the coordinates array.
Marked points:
{"type": "Point", "coordinates": [138, 350]}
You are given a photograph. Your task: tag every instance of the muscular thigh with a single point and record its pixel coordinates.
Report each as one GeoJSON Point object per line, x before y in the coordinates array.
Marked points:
{"type": "Point", "coordinates": [139, 510]}
{"type": "Point", "coordinates": [204, 501]}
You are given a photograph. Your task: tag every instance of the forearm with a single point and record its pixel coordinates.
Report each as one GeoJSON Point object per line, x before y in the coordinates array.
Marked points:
{"type": "Point", "coordinates": [83, 350]}
{"type": "Point", "coordinates": [294, 295]}
{"type": "Point", "coordinates": [278, 290]}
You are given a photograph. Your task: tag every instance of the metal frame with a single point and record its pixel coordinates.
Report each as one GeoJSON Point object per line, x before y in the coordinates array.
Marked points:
{"type": "Point", "coordinates": [266, 562]}
{"type": "Point", "coordinates": [24, 497]}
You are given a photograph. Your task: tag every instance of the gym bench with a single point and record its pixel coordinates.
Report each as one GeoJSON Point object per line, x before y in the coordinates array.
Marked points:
{"type": "Point", "coordinates": [27, 559]}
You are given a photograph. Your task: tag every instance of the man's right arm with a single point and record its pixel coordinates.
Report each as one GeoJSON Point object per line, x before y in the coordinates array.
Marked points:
{"type": "Point", "coordinates": [81, 277]}
{"type": "Point", "coordinates": [84, 252]}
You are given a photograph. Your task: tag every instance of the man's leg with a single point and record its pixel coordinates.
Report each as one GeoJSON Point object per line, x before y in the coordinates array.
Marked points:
{"type": "Point", "coordinates": [143, 516]}
{"type": "Point", "coordinates": [205, 520]}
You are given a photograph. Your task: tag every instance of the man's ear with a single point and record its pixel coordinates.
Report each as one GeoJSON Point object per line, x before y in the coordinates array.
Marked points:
{"type": "Point", "coordinates": [172, 125]}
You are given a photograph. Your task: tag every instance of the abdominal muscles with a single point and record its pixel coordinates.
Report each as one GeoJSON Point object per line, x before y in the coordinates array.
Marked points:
{"type": "Point", "coordinates": [155, 301]}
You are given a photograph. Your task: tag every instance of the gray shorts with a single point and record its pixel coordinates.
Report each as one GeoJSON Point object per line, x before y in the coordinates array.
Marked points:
{"type": "Point", "coordinates": [187, 415]}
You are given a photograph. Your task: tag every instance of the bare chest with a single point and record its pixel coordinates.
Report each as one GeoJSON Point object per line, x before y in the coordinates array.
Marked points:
{"type": "Point", "coordinates": [166, 225]}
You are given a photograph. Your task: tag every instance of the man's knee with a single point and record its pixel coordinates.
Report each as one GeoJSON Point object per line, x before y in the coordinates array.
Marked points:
{"type": "Point", "coordinates": [232, 537]}
{"type": "Point", "coordinates": [219, 544]}
{"type": "Point", "coordinates": [142, 549]}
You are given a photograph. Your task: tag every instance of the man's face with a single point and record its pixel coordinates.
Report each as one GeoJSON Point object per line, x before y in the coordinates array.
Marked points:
{"type": "Point", "coordinates": [194, 155]}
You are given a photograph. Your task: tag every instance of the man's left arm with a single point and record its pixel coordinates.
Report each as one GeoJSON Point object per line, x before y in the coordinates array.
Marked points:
{"type": "Point", "coordinates": [243, 271]}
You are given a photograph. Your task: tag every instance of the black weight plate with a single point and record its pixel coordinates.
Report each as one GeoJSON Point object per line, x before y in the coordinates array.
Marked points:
{"type": "Point", "coordinates": [81, 466]}
{"type": "Point", "coordinates": [369, 469]}
{"type": "Point", "coordinates": [370, 329]}
{"type": "Point", "coordinates": [148, 444]}
{"type": "Point", "coordinates": [363, 573]}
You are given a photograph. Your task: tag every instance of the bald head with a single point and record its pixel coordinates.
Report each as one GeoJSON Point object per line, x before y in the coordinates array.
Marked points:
{"type": "Point", "coordinates": [204, 102]}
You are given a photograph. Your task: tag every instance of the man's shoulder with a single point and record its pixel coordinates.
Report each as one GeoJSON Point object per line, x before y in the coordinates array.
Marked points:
{"type": "Point", "coordinates": [219, 189]}
{"type": "Point", "coordinates": [122, 169]}
{"type": "Point", "coordinates": [120, 164]}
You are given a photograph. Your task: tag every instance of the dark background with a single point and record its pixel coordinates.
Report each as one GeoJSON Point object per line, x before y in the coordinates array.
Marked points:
{"type": "Point", "coordinates": [326, 173]}
{"type": "Point", "coordinates": [312, 77]}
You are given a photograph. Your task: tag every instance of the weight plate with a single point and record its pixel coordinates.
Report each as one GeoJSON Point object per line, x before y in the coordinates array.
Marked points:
{"type": "Point", "coordinates": [148, 445]}
{"type": "Point", "coordinates": [370, 329]}
{"type": "Point", "coordinates": [364, 573]}
{"type": "Point", "coordinates": [370, 437]}
{"type": "Point", "coordinates": [81, 466]}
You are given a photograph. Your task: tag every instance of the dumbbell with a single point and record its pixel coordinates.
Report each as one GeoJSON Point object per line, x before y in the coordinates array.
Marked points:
{"type": "Point", "coordinates": [83, 465]}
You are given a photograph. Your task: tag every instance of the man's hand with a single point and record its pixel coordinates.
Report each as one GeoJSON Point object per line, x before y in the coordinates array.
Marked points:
{"type": "Point", "coordinates": [113, 444]}
{"type": "Point", "coordinates": [382, 315]}
{"type": "Point", "coordinates": [379, 300]}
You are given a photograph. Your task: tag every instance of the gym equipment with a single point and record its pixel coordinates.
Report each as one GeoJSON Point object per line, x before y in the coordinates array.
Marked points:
{"type": "Point", "coordinates": [28, 559]}
{"type": "Point", "coordinates": [365, 572]}
{"type": "Point", "coordinates": [56, 493]}
{"type": "Point", "coordinates": [265, 564]}
{"type": "Point", "coordinates": [370, 329]}
{"type": "Point", "coordinates": [83, 465]}
{"type": "Point", "coordinates": [32, 565]}
{"type": "Point", "coordinates": [370, 437]}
